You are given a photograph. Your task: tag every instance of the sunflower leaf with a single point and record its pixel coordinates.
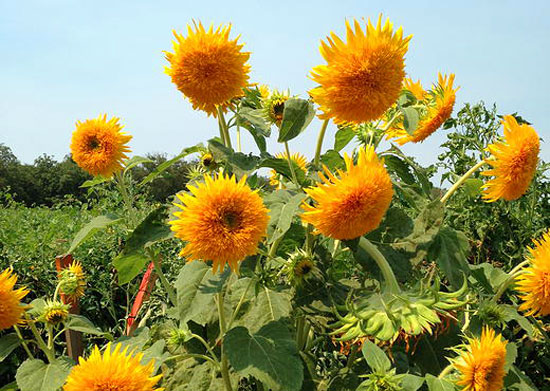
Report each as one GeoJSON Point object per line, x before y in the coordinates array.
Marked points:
{"type": "Point", "coordinates": [96, 224]}
{"type": "Point", "coordinates": [297, 115]}
{"type": "Point", "coordinates": [36, 375]}
{"type": "Point", "coordinates": [410, 119]}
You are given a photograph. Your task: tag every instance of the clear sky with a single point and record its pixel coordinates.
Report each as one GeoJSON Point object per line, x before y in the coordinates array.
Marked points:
{"type": "Point", "coordinates": [63, 60]}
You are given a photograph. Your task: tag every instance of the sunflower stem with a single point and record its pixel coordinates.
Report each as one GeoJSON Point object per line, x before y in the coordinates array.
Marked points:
{"type": "Point", "coordinates": [164, 281]}
{"type": "Point", "coordinates": [509, 281]}
{"type": "Point", "coordinates": [193, 355]}
{"type": "Point", "coordinates": [223, 127]}
{"type": "Point", "coordinates": [23, 342]}
{"type": "Point", "coordinates": [207, 346]}
{"type": "Point", "coordinates": [57, 288]}
{"type": "Point", "coordinates": [290, 165]}
{"type": "Point", "coordinates": [457, 184]}
{"type": "Point", "coordinates": [121, 184]}
{"type": "Point", "coordinates": [224, 367]}
{"type": "Point", "coordinates": [50, 355]}
{"type": "Point", "coordinates": [385, 268]}
{"type": "Point", "coordinates": [446, 371]}
{"type": "Point", "coordinates": [320, 138]}
{"type": "Point", "coordinates": [391, 121]}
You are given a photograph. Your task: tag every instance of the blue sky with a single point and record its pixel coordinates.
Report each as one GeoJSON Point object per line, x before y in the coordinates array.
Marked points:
{"type": "Point", "coordinates": [68, 60]}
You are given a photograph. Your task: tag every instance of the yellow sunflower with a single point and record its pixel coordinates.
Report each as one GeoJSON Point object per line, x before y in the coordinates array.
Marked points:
{"type": "Point", "coordinates": [115, 370]}
{"type": "Point", "coordinates": [363, 76]}
{"type": "Point", "coordinates": [513, 160]}
{"type": "Point", "coordinates": [482, 365]}
{"type": "Point", "coordinates": [415, 88]}
{"type": "Point", "coordinates": [298, 158]}
{"type": "Point", "coordinates": [208, 67]}
{"type": "Point", "coordinates": [55, 312]}
{"type": "Point", "coordinates": [98, 146]}
{"type": "Point", "coordinates": [273, 106]}
{"type": "Point", "coordinates": [72, 281]}
{"type": "Point", "coordinates": [221, 220]}
{"type": "Point", "coordinates": [11, 309]}
{"type": "Point", "coordinates": [439, 107]}
{"type": "Point", "coordinates": [353, 204]}
{"type": "Point", "coordinates": [534, 282]}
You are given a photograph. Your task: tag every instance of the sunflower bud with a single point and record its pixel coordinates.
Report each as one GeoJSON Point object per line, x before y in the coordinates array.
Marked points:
{"type": "Point", "coordinates": [300, 267]}
{"type": "Point", "coordinates": [54, 312]}
{"type": "Point", "coordinates": [71, 281]}
{"type": "Point", "coordinates": [491, 314]}
{"type": "Point", "coordinates": [178, 337]}
{"type": "Point", "coordinates": [274, 105]}
{"type": "Point", "coordinates": [207, 161]}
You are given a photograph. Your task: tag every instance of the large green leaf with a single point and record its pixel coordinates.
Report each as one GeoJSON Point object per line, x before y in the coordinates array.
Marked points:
{"type": "Point", "coordinates": [333, 160]}
{"type": "Point", "coordinates": [196, 287]}
{"type": "Point", "coordinates": [375, 357]}
{"type": "Point", "coordinates": [342, 137]}
{"type": "Point", "coordinates": [450, 250]}
{"type": "Point", "coordinates": [281, 166]}
{"type": "Point", "coordinates": [297, 115]}
{"type": "Point", "coordinates": [241, 164]}
{"type": "Point", "coordinates": [84, 325]}
{"type": "Point", "coordinates": [97, 223]}
{"type": "Point", "coordinates": [253, 121]}
{"type": "Point", "coordinates": [167, 164]}
{"type": "Point", "coordinates": [411, 382]}
{"type": "Point", "coordinates": [131, 261]}
{"type": "Point", "coordinates": [410, 119]}
{"type": "Point", "coordinates": [136, 160]}
{"type": "Point", "coordinates": [270, 355]}
{"type": "Point", "coordinates": [287, 213]}
{"type": "Point", "coordinates": [8, 343]}
{"type": "Point", "coordinates": [36, 375]}
{"type": "Point", "coordinates": [436, 384]}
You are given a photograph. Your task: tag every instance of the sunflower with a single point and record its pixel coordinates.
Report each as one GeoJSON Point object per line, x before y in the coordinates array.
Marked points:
{"type": "Point", "coordinates": [222, 220]}
{"type": "Point", "coordinates": [273, 106]}
{"type": "Point", "coordinates": [439, 107]}
{"type": "Point", "coordinates": [534, 282]}
{"type": "Point", "coordinates": [300, 267]}
{"type": "Point", "coordinates": [415, 88]}
{"type": "Point", "coordinates": [208, 67]}
{"type": "Point", "coordinates": [114, 370]}
{"type": "Point", "coordinates": [513, 160]}
{"type": "Point", "coordinates": [98, 146]}
{"type": "Point", "coordinates": [353, 204]}
{"type": "Point", "coordinates": [11, 309]}
{"type": "Point", "coordinates": [298, 158]}
{"type": "Point", "coordinates": [363, 76]}
{"type": "Point", "coordinates": [482, 365]}
{"type": "Point", "coordinates": [72, 281]}
{"type": "Point", "coordinates": [55, 312]}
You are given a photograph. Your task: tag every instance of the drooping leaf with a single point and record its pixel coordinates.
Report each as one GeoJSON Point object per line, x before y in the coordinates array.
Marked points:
{"type": "Point", "coordinates": [297, 115]}
{"type": "Point", "coordinates": [36, 375]}
{"type": "Point", "coordinates": [281, 166]}
{"type": "Point", "coordinates": [270, 355]}
{"type": "Point", "coordinates": [167, 164]}
{"type": "Point", "coordinates": [98, 179]}
{"type": "Point", "coordinates": [241, 164]}
{"type": "Point", "coordinates": [411, 382]}
{"type": "Point", "coordinates": [136, 160]}
{"type": "Point", "coordinates": [342, 137]}
{"type": "Point", "coordinates": [287, 213]}
{"type": "Point", "coordinates": [131, 261]}
{"type": "Point", "coordinates": [96, 224]}
{"type": "Point", "coordinates": [84, 325]}
{"type": "Point", "coordinates": [410, 119]}
{"type": "Point", "coordinates": [436, 384]}
{"type": "Point", "coordinates": [375, 357]}
{"type": "Point", "coordinates": [449, 250]}
{"type": "Point", "coordinates": [8, 343]}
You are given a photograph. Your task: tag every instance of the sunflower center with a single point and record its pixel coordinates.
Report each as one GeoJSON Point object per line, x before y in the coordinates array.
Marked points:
{"type": "Point", "coordinates": [93, 143]}
{"type": "Point", "coordinates": [278, 109]}
{"type": "Point", "coordinates": [109, 386]}
{"type": "Point", "coordinates": [230, 219]}
{"type": "Point", "coordinates": [303, 268]}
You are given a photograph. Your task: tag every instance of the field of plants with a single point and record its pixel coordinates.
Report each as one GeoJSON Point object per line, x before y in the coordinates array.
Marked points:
{"type": "Point", "coordinates": [223, 269]}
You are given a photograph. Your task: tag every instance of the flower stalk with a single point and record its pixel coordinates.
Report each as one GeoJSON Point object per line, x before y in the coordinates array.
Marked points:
{"type": "Point", "coordinates": [385, 268]}
{"type": "Point", "coordinates": [461, 181]}
{"type": "Point", "coordinates": [320, 139]}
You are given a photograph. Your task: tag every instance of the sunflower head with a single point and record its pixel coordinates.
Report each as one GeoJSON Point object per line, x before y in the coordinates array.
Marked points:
{"type": "Point", "coordinates": [54, 312]}
{"type": "Point", "coordinates": [115, 369]}
{"type": "Point", "coordinates": [207, 67]}
{"type": "Point", "coordinates": [298, 158]}
{"type": "Point", "coordinates": [481, 366]}
{"type": "Point", "coordinates": [99, 147]}
{"type": "Point", "coordinates": [222, 220]}
{"type": "Point", "coordinates": [208, 162]}
{"type": "Point", "coordinates": [178, 337]}
{"type": "Point", "coordinates": [11, 309]}
{"type": "Point", "coordinates": [72, 281]}
{"type": "Point", "coordinates": [352, 203]}
{"type": "Point", "coordinates": [437, 108]}
{"type": "Point", "coordinates": [363, 75]}
{"type": "Point", "coordinates": [534, 283]}
{"type": "Point", "coordinates": [273, 106]}
{"type": "Point", "coordinates": [491, 313]}
{"type": "Point", "coordinates": [299, 267]}
{"type": "Point", "coordinates": [513, 160]}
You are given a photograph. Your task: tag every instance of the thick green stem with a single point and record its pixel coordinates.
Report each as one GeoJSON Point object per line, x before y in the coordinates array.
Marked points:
{"type": "Point", "coordinates": [223, 127]}
{"type": "Point", "coordinates": [224, 368]}
{"type": "Point", "coordinates": [192, 355]}
{"type": "Point", "coordinates": [164, 281]}
{"type": "Point", "coordinates": [290, 165]}
{"type": "Point", "coordinates": [23, 342]}
{"type": "Point", "coordinates": [41, 344]}
{"type": "Point", "coordinates": [461, 181]}
{"type": "Point", "coordinates": [391, 121]}
{"type": "Point", "coordinates": [446, 371]}
{"type": "Point", "coordinates": [121, 183]}
{"type": "Point", "coordinates": [56, 293]}
{"type": "Point", "coordinates": [509, 281]}
{"type": "Point", "coordinates": [320, 138]}
{"type": "Point", "coordinates": [385, 268]}
{"type": "Point", "coordinates": [239, 148]}
{"type": "Point", "coordinates": [207, 346]}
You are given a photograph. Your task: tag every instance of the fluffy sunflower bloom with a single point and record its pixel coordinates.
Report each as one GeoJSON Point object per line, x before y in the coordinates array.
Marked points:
{"type": "Point", "coordinates": [513, 160]}
{"type": "Point", "coordinates": [298, 158]}
{"type": "Point", "coordinates": [354, 203]}
{"type": "Point", "coordinates": [99, 147]}
{"type": "Point", "coordinates": [273, 106]}
{"type": "Point", "coordinates": [221, 220]}
{"type": "Point", "coordinates": [534, 282]}
{"type": "Point", "coordinates": [439, 107]}
{"type": "Point", "coordinates": [11, 309]}
{"type": "Point", "coordinates": [208, 67]}
{"type": "Point", "coordinates": [55, 312]}
{"type": "Point", "coordinates": [72, 281]}
{"type": "Point", "coordinates": [482, 365]}
{"type": "Point", "coordinates": [415, 87]}
{"type": "Point", "coordinates": [112, 370]}
{"type": "Point", "coordinates": [363, 76]}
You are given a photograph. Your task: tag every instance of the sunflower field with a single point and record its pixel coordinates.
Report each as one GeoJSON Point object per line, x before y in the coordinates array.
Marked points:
{"type": "Point", "coordinates": [357, 270]}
